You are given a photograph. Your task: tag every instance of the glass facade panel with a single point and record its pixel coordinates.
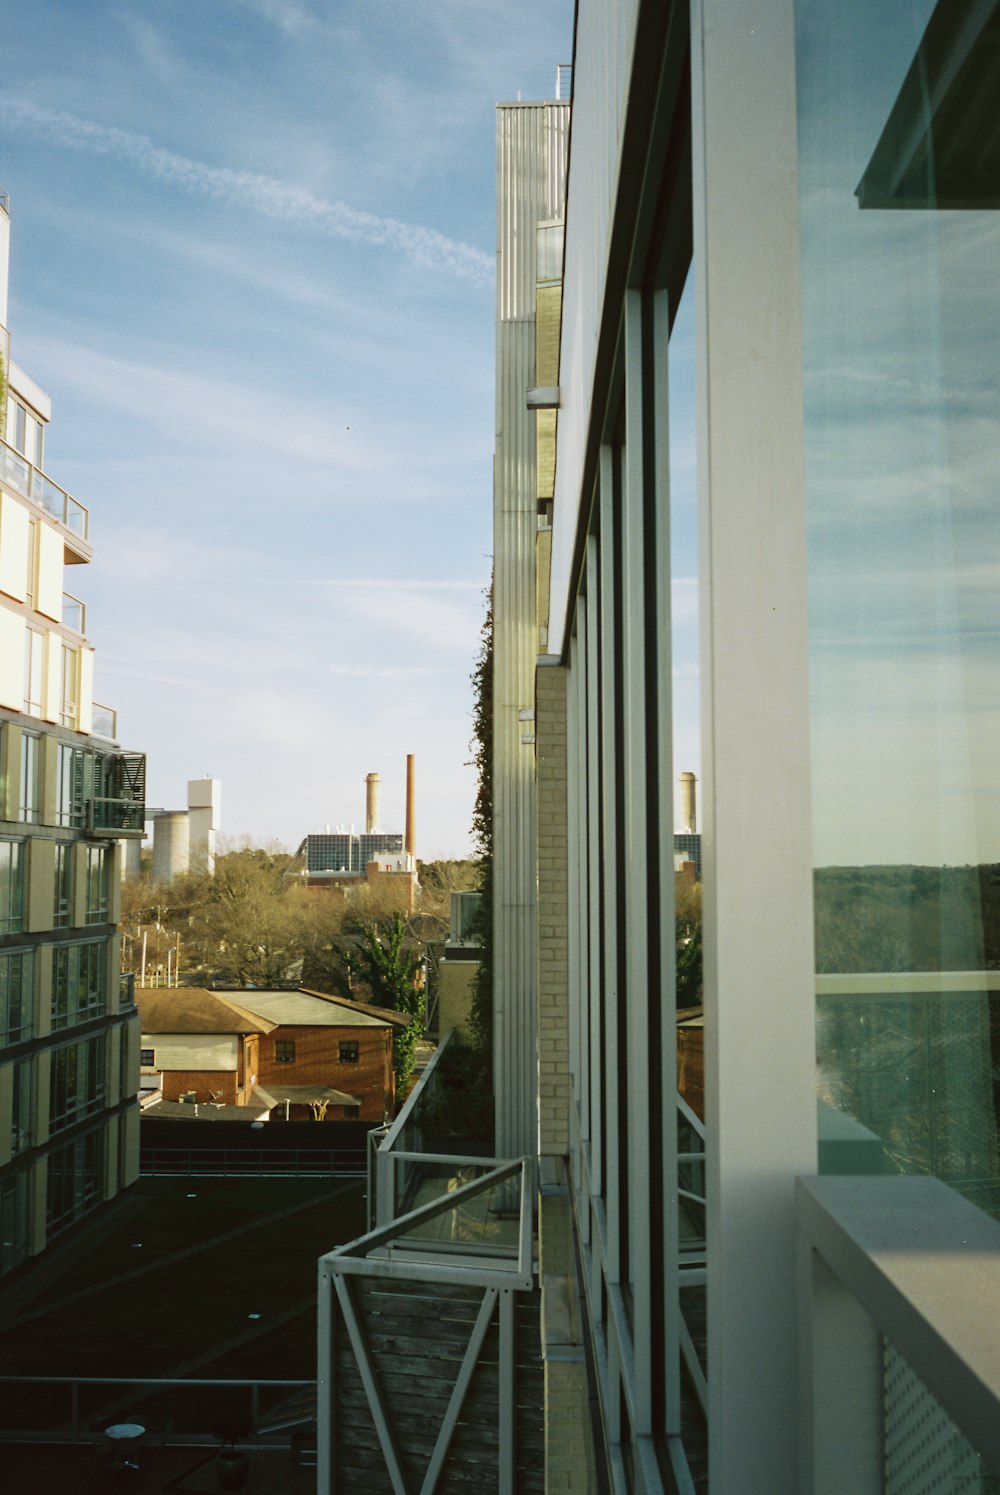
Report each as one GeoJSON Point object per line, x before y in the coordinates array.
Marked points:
{"type": "Point", "coordinates": [71, 786]}
{"type": "Point", "coordinates": [77, 1084]}
{"type": "Point", "coordinates": [901, 312]}
{"type": "Point", "coordinates": [34, 660]}
{"type": "Point", "coordinates": [16, 995]}
{"type": "Point", "coordinates": [79, 982]}
{"type": "Point", "coordinates": [74, 1182]}
{"type": "Point", "coordinates": [70, 685]}
{"type": "Point", "coordinates": [21, 1105]}
{"type": "Point", "coordinates": [63, 889]}
{"type": "Point", "coordinates": [98, 884]}
{"type": "Point", "coordinates": [11, 887]}
{"type": "Point", "coordinates": [30, 785]}
{"type": "Point", "coordinates": [13, 1220]}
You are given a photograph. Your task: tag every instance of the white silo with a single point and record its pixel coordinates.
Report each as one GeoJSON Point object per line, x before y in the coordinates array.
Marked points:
{"type": "Point", "coordinates": [171, 845]}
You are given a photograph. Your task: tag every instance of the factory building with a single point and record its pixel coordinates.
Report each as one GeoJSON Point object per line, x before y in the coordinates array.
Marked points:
{"type": "Point", "coordinates": [70, 797]}
{"type": "Point", "coordinates": [385, 861]}
{"type": "Point", "coordinates": [187, 840]}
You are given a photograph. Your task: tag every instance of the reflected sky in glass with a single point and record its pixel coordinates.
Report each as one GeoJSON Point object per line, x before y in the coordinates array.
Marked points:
{"type": "Point", "coordinates": [901, 325]}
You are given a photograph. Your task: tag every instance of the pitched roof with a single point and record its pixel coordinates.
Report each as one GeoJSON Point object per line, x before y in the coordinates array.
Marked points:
{"type": "Point", "coordinates": [387, 1014]}
{"type": "Point", "coordinates": [193, 1009]}
{"type": "Point", "coordinates": [312, 1010]}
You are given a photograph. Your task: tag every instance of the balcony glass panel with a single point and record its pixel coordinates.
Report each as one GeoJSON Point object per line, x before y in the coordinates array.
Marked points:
{"type": "Point", "coordinates": [74, 614]}
{"type": "Point", "coordinates": [901, 303]}
{"type": "Point", "coordinates": [104, 722]}
{"type": "Point", "coordinates": [33, 483]}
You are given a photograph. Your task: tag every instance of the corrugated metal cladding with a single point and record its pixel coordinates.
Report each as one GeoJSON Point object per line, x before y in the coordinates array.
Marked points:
{"type": "Point", "coordinates": [531, 162]}
{"type": "Point", "coordinates": [531, 187]}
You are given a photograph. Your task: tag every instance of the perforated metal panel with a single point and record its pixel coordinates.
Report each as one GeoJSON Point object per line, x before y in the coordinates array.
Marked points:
{"type": "Point", "coordinates": [925, 1453]}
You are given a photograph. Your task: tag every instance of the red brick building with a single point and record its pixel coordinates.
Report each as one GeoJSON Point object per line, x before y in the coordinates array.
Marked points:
{"type": "Point", "coordinates": [204, 1045]}
{"type": "Point", "coordinates": [319, 1040]}
{"type": "Point", "coordinates": [296, 1054]}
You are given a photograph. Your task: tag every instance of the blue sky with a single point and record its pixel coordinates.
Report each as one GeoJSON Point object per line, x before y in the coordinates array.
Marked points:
{"type": "Point", "coordinates": [252, 263]}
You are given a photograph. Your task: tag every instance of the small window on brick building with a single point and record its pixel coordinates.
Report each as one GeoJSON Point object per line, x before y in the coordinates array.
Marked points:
{"type": "Point", "coordinates": [284, 1051]}
{"type": "Point", "coordinates": [349, 1052]}
{"type": "Point", "coordinates": [147, 1057]}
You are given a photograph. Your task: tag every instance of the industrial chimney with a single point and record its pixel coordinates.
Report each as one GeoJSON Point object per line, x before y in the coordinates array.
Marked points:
{"type": "Point", "coordinates": [371, 802]}
{"type": "Point", "coordinates": [688, 803]}
{"type": "Point", "coordinates": [410, 843]}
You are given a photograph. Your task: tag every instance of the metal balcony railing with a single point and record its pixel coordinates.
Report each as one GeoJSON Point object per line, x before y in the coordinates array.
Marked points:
{"type": "Point", "coordinates": [452, 1280]}
{"type": "Point", "coordinates": [114, 816]}
{"type": "Point", "coordinates": [394, 1164]}
{"type": "Point", "coordinates": [32, 483]}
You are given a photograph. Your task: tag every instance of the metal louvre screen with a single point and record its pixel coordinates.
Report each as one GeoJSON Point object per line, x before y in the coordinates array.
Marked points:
{"type": "Point", "coordinates": [925, 1452]}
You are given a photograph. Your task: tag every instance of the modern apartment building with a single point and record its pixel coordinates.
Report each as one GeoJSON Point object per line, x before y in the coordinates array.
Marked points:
{"type": "Point", "coordinates": [778, 358]}
{"type": "Point", "coordinates": [69, 797]}
{"type": "Point", "coordinates": [777, 312]}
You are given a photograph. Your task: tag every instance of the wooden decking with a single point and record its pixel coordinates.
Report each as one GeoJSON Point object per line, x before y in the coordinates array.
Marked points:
{"type": "Point", "coordinates": [416, 1336]}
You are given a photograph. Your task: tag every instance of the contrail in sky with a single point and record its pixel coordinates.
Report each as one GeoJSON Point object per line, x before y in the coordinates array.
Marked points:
{"type": "Point", "coordinates": [262, 194]}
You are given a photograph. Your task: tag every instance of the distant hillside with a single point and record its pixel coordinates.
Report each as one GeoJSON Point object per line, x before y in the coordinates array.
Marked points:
{"type": "Point", "coordinates": [907, 918]}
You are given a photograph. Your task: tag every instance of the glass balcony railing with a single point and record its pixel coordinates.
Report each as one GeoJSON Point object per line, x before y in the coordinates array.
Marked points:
{"type": "Point", "coordinates": [104, 722]}
{"type": "Point", "coordinates": [32, 483]}
{"type": "Point", "coordinates": [74, 614]}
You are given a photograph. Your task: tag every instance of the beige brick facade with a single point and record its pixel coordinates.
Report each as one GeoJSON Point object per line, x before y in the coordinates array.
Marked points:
{"type": "Point", "coordinates": [553, 1051]}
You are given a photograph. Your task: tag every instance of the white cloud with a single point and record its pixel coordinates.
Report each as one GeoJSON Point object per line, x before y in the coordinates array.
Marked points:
{"type": "Point", "coordinates": [288, 16]}
{"type": "Point", "coordinates": [263, 195]}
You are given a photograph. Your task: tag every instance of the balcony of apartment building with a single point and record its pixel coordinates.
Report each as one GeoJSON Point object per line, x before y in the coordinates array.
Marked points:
{"type": "Point", "coordinates": [33, 484]}
{"type": "Point", "coordinates": [430, 1366]}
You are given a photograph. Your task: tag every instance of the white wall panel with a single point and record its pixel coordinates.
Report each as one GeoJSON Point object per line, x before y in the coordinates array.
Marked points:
{"type": "Point", "coordinates": [11, 660]}
{"type": "Point", "coordinates": [50, 572]}
{"type": "Point", "coordinates": [14, 540]}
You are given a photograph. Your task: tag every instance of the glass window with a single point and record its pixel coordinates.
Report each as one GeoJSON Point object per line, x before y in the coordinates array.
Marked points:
{"type": "Point", "coordinates": [70, 686]}
{"type": "Point", "coordinates": [98, 884]}
{"type": "Point", "coordinates": [79, 982]}
{"type": "Point", "coordinates": [20, 428]}
{"type": "Point", "coordinates": [71, 785]}
{"type": "Point", "coordinates": [11, 887]}
{"type": "Point", "coordinates": [34, 659]}
{"type": "Point", "coordinates": [147, 1058]}
{"type": "Point", "coordinates": [28, 807]}
{"type": "Point", "coordinates": [349, 1052]}
{"type": "Point", "coordinates": [901, 323]}
{"type": "Point", "coordinates": [284, 1051]}
{"type": "Point", "coordinates": [74, 1181]}
{"type": "Point", "coordinates": [31, 580]}
{"type": "Point", "coordinates": [63, 891]}
{"type": "Point", "coordinates": [21, 1106]}
{"type": "Point", "coordinates": [77, 1085]}
{"type": "Point", "coordinates": [16, 995]}
{"type": "Point", "coordinates": [13, 1220]}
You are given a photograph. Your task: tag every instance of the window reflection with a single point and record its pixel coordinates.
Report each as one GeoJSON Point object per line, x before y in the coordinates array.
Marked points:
{"type": "Point", "coordinates": [901, 323]}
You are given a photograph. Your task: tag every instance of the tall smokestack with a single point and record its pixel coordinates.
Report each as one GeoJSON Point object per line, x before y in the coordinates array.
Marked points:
{"type": "Point", "coordinates": [410, 844]}
{"type": "Point", "coordinates": [371, 802]}
{"type": "Point", "coordinates": [688, 803]}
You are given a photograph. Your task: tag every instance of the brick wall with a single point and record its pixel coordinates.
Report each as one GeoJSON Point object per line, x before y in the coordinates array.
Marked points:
{"type": "Point", "coordinates": [553, 1047]}
{"type": "Point", "coordinates": [317, 1062]}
